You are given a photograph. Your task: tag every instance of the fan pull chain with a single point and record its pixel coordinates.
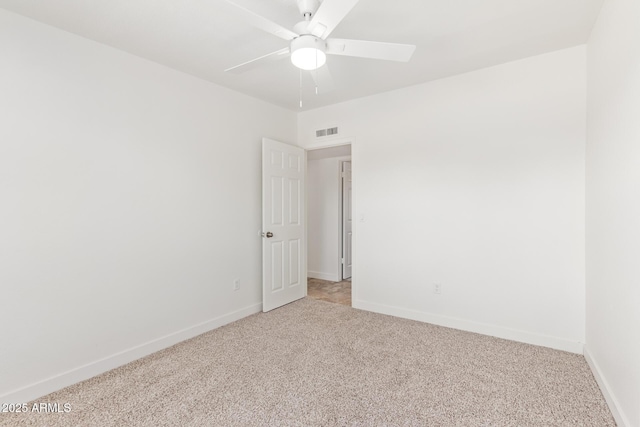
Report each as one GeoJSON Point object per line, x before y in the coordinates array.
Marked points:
{"type": "Point", "coordinates": [301, 88]}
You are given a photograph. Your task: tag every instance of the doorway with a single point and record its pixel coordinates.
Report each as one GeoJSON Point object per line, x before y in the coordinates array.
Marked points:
{"type": "Point", "coordinates": [329, 227]}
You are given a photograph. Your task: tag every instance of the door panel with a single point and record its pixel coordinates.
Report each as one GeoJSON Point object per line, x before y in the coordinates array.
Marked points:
{"type": "Point", "coordinates": [283, 214]}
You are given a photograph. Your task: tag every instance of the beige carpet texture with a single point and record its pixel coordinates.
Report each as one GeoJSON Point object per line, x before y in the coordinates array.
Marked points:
{"type": "Point", "coordinates": [313, 363]}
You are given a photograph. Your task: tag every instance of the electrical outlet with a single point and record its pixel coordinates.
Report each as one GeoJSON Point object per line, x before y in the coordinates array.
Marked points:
{"type": "Point", "coordinates": [236, 284]}
{"type": "Point", "coordinates": [437, 288]}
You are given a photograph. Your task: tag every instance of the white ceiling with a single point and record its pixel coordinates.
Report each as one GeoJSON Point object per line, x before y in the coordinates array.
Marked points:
{"type": "Point", "coordinates": [204, 37]}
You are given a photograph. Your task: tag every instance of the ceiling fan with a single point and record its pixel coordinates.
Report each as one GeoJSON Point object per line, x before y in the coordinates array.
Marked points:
{"type": "Point", "coordinates": [309, 44]}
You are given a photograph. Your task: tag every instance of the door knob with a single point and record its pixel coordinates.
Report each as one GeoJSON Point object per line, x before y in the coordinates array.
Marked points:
{"type": "Point", "coordinates": [268, 234]}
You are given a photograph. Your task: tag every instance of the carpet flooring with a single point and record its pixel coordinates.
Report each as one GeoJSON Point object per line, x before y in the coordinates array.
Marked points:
{"type": "Point", "coordinates": [313, 363]}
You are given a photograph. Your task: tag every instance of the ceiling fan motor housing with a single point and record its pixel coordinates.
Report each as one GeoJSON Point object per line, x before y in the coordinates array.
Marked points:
{"type": "Point", "coordinates": [302, 27]}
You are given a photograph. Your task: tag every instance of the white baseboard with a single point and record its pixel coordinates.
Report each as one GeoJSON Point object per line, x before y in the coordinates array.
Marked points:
{"type": "Point", "coordinates": [97, 367]}
{"type": "Point", "coordinates": [323, 276]}
{"type": "Point", "coordinates": [470, 326]}
{"type": "Point", "coordinates": [618, 415]}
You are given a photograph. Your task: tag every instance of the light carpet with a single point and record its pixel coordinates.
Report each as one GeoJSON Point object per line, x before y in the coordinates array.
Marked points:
{"type": "Point", "coordinates": [313, 363]}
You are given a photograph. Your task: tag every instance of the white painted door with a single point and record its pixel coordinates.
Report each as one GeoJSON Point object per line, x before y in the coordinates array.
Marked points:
{"type": "Point", "coordinates": [347, 222]}
{"type": "Point", "coordinates": [284, 264]}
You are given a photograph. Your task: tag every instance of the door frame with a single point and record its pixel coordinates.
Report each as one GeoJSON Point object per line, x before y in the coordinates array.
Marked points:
{"type": "Point", "coordinates": [341, 162]}
{"type": "Point", "coordinates": [336, 142]}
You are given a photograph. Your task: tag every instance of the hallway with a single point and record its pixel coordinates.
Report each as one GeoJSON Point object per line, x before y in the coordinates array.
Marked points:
{"type": "Point", "coordinates": [324, 290]}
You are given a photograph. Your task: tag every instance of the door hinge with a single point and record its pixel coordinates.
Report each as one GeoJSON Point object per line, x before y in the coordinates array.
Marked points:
{"type": "Point", "coordinates": [343, 260]}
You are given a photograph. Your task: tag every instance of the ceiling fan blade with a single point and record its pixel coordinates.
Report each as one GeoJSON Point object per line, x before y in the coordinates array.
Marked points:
{"type": "Point", "coordinates": [270, 57]}
{"type": "Point", "coordinates": [323, 79]}
{"type": "Point", "coordinates": [373, 50]}
{"type": "Point", "coordinates": [263, 23]}
{"type": "Point", "coordinates": [329, 15]}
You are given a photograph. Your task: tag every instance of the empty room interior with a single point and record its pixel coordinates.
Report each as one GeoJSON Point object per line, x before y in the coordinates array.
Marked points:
{"type": "Point", "coordinates": [175, 176]}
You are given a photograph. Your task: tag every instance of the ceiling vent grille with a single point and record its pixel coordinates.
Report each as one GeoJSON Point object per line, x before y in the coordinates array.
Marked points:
{"type": "Point", "coordinates": [326, 132]}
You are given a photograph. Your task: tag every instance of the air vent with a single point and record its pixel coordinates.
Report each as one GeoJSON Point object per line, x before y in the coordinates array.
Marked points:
{"type": "Point", "coordinates": [326, 132]}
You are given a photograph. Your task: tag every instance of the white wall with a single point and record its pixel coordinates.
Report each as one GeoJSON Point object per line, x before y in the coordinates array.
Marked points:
{"type": "Point", "coordinates": [475, 182]}
{"type": "Point", "coordinates": [613, 207]}
{"type": "Point", "coordinates": [129, 201]}
{"type": "Point", "coordinates": [324, 218]}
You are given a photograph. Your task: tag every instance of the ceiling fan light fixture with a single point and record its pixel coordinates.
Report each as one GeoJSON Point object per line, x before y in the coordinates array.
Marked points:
{"type": "Point", "coordinates": [308, 52]}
